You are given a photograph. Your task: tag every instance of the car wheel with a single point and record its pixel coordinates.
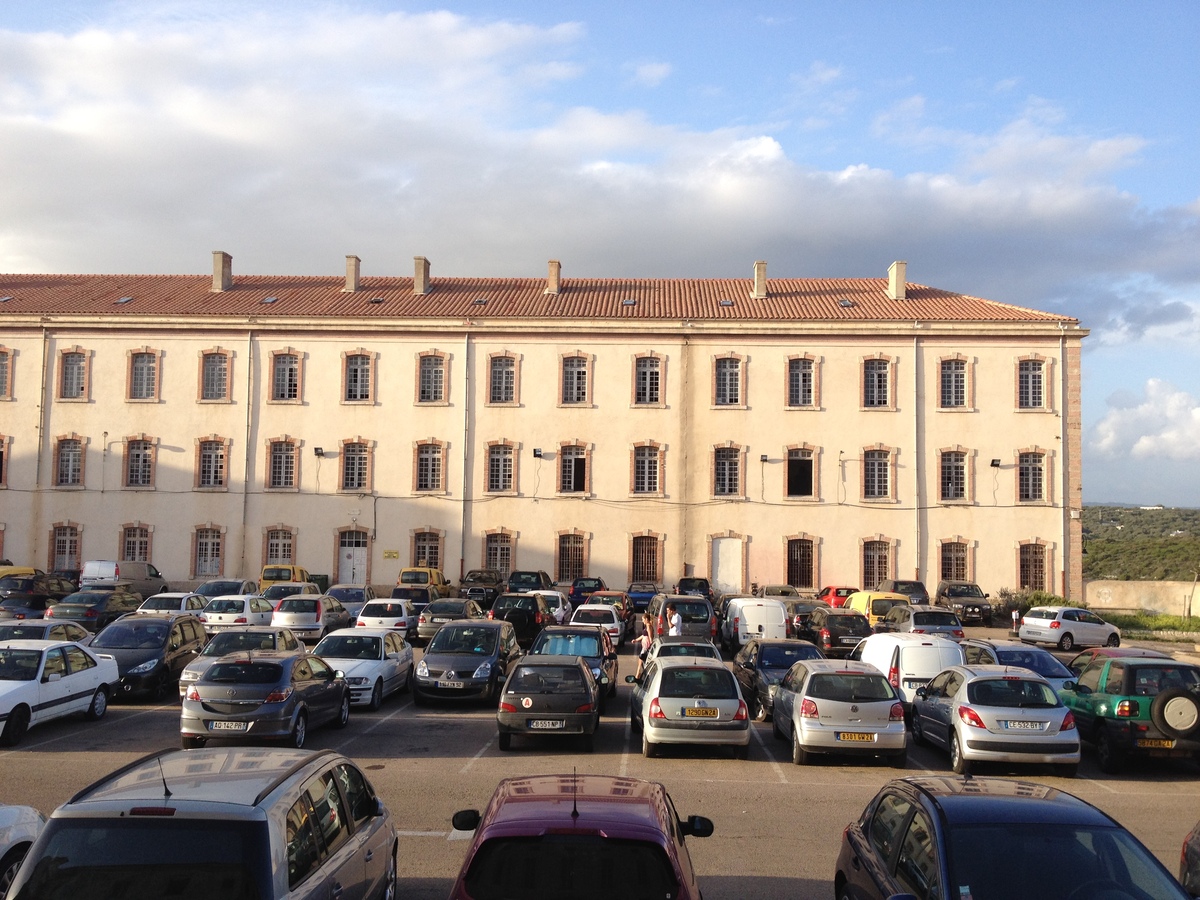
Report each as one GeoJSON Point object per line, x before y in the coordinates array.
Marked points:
{"type": "Point", "coordinates": [9, 865]}
{"type": "Point", "coordinates": [958, 762]}
{"type": "Point", "coordinates": [99, 705]}
{"type": "Point", "coordinates": [760, 710]}
{"type": "Point", "coordinates": [160, 692]}
{"type": "Point", "coordinates": [190, 742]}
{"type": "Point", "coordinates": [800, 756]}
{"type": "Point", "coordinates": [504, 741]}
{"type": "Point", "coordinates": [389, 881]}
{"type": "Point", "coordinates": [376, 696]}
{"type": "Point", "coordinates": [1066, 642]}
{"type": "Point", "coordinates": [299, 732]}
{"type": "Point", "coordinates": [914, 723]}
{"type": "Point", "coordinates": [14, 728]}
{"type": "Point", "coordinates": [343, 715]}
{"type": "Point", "coordinates": [1110, 757]}
{"type": "Point", "coordinates": [1176, 713]}
{"type": "Point", "coordinates": [1114, 640]}
{"type": "Point", "coordinates": [1067, 770]}
{"type": "Point", "coordinates": [648, 749]}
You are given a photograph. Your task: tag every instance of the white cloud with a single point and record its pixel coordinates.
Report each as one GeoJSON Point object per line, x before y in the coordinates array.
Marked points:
{"type": "Point", "coordinates": [1164, 424]}
{"type": "Point", "coordinates": [650, 74]}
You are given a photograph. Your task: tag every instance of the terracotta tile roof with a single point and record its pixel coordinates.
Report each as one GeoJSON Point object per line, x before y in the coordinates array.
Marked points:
{"type": "Point", "coordinates": [806, 299]}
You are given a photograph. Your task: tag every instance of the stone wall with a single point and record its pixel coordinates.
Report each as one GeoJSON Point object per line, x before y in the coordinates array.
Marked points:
{"type": "Point", "coordinates": [1174, 598]}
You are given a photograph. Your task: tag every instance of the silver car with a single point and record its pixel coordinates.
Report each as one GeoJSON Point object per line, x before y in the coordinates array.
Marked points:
{"type": "Point", "coordinates": [688, 700]}
{"type": "Point", "coordinates": [311, 618]}
{"type": "Point", "coordinates": [235, 610]}
{"type": "Point", "coordinates": [239, 639]}
{"type": "Point", "coordinates": [923, 620]}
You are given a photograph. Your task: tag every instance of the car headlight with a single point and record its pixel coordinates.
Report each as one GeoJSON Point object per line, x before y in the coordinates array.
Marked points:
{"type": "Point", "coordinates": [595, 673]}
{"type": "Point", "coordinates": [148, 666]}
{"type": "Point", "coordinates": [484, 670]}
{"type": "Point", "coordinates": [422, 669]}
{"type": "Point", "coordinates": [356, 680]}
{"type": "Point", "coordinates": [188, 675]}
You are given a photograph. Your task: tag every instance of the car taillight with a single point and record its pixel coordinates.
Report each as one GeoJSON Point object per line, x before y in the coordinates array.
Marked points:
{"type": "Point", "coordinates": [808, 709]}
{"type": "Point", "coordinates": [742, 713]}
{"type": "Point", "coordinates": [277, 605]}
{"type": "Point", "coordinates": [918, 631]}
{"type": "Point", "coordinates": [192, 693]}
{"type": "Point", "coordinates": [1128, 709]}
{"type": "Point", "coordinates": [507, 707]}
{"type": "Point", "coordinates": [1056, 624]}
{"type": "Point", "coordinates": [587, 707]}
{"type": "Point", "coordinates": [1068, 722]}
{"type": "Point", "coordinates": [896, 713]}
{"type": "Point", "coordinates": [894, 677]}
{"type": "Point", "coordinates": [537, 617]}
{"type": "Point", "coordinates": [361, 624]}
{"type": "Point", "coordinates": [90, 614]}
{"type": "Point", "coordinates": [240, 620]}
{"type": "Point", "coordinates": [491, 615]}
{"type": "Point", "coordinates": [655, 710]}
{"type": "Point", "coordinates": [736, 619]}
{"type": "Point", "coordinates": [49, 613]}
{"type": "Point", "coordinates": [319, 611]}
{"type": "Point", "coordinates": [970, 717]}
{"type": "Point", "coordinates": [421, 618]}
{"type": "Point", "coordinates": [824, 636]}
{"type": "Point", "coordinates": [277, 696]}
{"type": "Point", "coordinates": [712, 626]}
{"type": "Point", "coordinates": [958, 632]}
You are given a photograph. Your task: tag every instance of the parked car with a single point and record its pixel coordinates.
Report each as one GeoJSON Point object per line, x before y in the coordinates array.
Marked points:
{"type": "Point", "coordinates": [835, 595]}
{"type": "Point", "coordinates": [761, 665]}
{"type": "Point", "coordinates": [641, 592]}
{"type": "Point", "coordinates": [466, 660]}
{"type": "Point", "coordinates": [992, 839]}
{"type": "Point", "coordinates": [698, 619]}
{"type": "Point", "coordinates": [603, 616]}
{"type": "Point", "coordinates": [43, 680]}
{"type": "Point", "coordinates": [439, 612]}
{"type": "Point", "coordinates": [619, 601]}
{"type": "Point", "coordinates": [44, 630]}
{"type": "Point", "coordinates": [676, 645]}
{"type": "Point", "coordinates": [699, 587]}
{"type": "Point", "coordinates": [310, 618]}
{"type": "Point", "coordinates": [281, 589]}
{"type": "Point", "coordinates": [778, 590]}
{"type": "Point", "coordinates": [27, 596]}
{"type": "Point", "coordinates": [1189, 862]}
{"type": "Point", "coordinates": [874, 604]}
{"type": "Point", "coordinates": [1014, 653]}
{"type": "Point", "coordinates": [222, 587]}
{"type": "Point", "coordinates": [151, 651]}
{"type": "Point", "coordinates": [553, 835]}
{"type": "Point", "coordinates": [560, 606]}
{"type": "Point", "coordinates": [995, 714]}
{"type": "Point", "coordinates": [914, 590]}
{"type": "Point", "coordinates": [1137, 707]}
{"type": "Point", "coordinates": [93, 609]}
{"type": "Point", "coordinates": [835, 631]}
{"type": "Point", "coordinates": [276, 573]}
{"type": "Point", "coordinates": [798, 613]}
{"type": "Point", "coordinates": [528, 613]}
{"type": "Point", "coordinates": [923, 620]}
{"type": "Point", "coordinates": [376, 662]}
{"type": "Point", "coordinates": [908, 660]}
{"type": "Point", "coordinates": [19, 827]}
{"type": "Point", "coordinates": [420, 597]}
{"type": "Point", "coordinates": [235, 610]}
{"type": "Point", "coordinates": [172, 601]}
{"type": "Point", "coordinates": [1081, 659]}
{"type": "Point", "coordinates": [264, 695]}
{"type": "Point", "coordinates": [352, 596]}
{"type": "Point", "coordinates": [582, 588]}
{"type": "Point", "coordinates": [589, 642]}
{"type": "Point", "coordinates": [747, 618]}
{"type": "Point", "coordinates": [965, 599]}
{"type": "Point", "coordinates": [824, 707]}
{"type": "Point", "coordinates": [687, 700]}
{"type": "Point", "coordinates": [483, 586]}
{"type": "Point", "coordinates": [547, 694]}
{"type": "Point", "coordinates": [529, 580]}
{"type": "Point", "coordinates": [435, 578]}
{"type": "Point", "coordinates": [398, 614]}
{"type": "Point", "coordinates": [1067, 627]}
{"type": "Point", "coordinates": [146, 579]}
{"type": "Point", "coordinates": [244, 639]}
{"type": "Point", "coordinates": [268, 824]}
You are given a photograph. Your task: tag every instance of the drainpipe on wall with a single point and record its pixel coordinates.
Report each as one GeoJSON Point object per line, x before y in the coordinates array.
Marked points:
{"type": "Point", "coordinates": [466, 455]}
{"type": "Point", "coordinates": [246, 438]}
{"type": "Point", "coordinates": [917, 455]}
{"type": "Point", "coordinates": [685, 442]}
{"type": "Point", "coordinates": [1064, 458]}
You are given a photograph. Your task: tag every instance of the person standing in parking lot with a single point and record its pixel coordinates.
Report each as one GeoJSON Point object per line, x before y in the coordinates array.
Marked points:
{"type": "Point", "coordinates": [674, 621]}
{"type": "Point", "coordinates": [643, 642]}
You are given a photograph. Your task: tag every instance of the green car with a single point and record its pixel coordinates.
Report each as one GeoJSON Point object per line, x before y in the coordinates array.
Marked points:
{"type": "Point", "coordinates": [1136, 706]}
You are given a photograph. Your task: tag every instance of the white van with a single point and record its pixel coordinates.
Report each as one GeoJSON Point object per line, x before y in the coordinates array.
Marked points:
{"type": "Point", "coordinates": [749, 618]}
{"type": "Point", "coordinates": [146, 579]}
{"type": "Point", "coordinates": [908, 660]}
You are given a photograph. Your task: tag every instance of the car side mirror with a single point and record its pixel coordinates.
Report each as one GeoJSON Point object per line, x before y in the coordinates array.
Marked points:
{"type": "Point", "coordinates": [53, 676]}
{"type": "Point", "coordinates": [380, 809]}
{"type": "Point", "coordinates": [175, 646]}
{"type": "Point", "coordinates": [697, 826]}
{"type": "Point", "coordinates": [922, 693]}
{"type": "Point", "coordinates": [1073, 686]}
{"type": "Point", "coordinates": [465, 820]}
{"type": "Point", "coordinates": [338, 674]}
{"type": "Point", "coordinates": [630, 679]}
{"type": "Point", "coordinates": [612, 655]}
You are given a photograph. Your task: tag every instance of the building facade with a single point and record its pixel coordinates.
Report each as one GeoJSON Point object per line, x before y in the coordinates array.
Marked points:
{"type": "Point", "coordinates": [810, 431]}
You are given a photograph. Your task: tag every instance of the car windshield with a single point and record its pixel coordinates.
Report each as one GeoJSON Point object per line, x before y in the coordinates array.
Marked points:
{"type": "Point", "coordinates": [964, 590]}
{"type": "Point", "coordinates": [1011, 692]}
{"type": "Point", "coordinates": [227, 642]}
{"type": "Point", "coordinates": [140, 633]}
{"type": "Point", "coordinates": [476, 641]}
{"type": "Point", "coordinates": [936, 619]}
{"type": "Point", "coordinates": [849, 687]}
{"type": "Point", "coordinates": [881, 607]}
{"type": "Point", "coordinates": [478, 576]}
{"type": "Point", "coordinates": [705, 650]}
{"type": "Point", "coordinates": [594, 616]}
{"type": "Point", "coordinates": [1052, 856]}
{"type": "Point", "coordinates": [297, 605]}
{"type": "Point", "coordinates": [1037, 613]}
{"type": "Point", "coordinates": [706, 684]}
{"type": "Point", "coordinates": [692, 612]}
{"type": "Point", "coordinates": [525, 601]}
{"type": "Point", "coordinates": [567, 644]}
{"type": "Point", "coordinates": [15, 584]}
{"type": "Point", "coordinates": [445, 607]}
{"type": "Point", "coordinates": [579, 866]}
{"type": "Point", "coordinates": [421, 594]}
{"type": "Point", "coordinates": [225, 605]}
{"type": "Point", "coordinates": [19, 665]}
{"type": "Point", "coordinates": [519, 578]}
{"type": "Point", "coordinates": [848, 622]}
{"type": "Point", "coordinates": [545, 680]}
{"type": "Point", "coordinates": [22, 632]}
{"type": "Point", "coordinates": [643, 587]}
{"type": "Point", "coordinates": [87, 598]}
{"type": "Point", "coordinates": [217, 588]}
{"type": "Point", "coordinates": [162, 603]}
{"type": "Point", "coordinates": [588, 584]}
{"type": "Point", "coordinates": [277, 591]}
{"type": "Point", "coordinates": [1150, 681]}
{"type": "Point", "coordinates": [244, 672]}
{"type": "Point", "coordinates": [350, 646]}
{"type": "Point", "coordinates": [414, 578]}
{"type": "Point", "coordinates": [1045, 664]}
{"type": "Point", "coordinates": [15, 602]}
{"type": "Point", "coordinates": [347, 595]}
{"type": "Point", "coordinates": [775, 657]}
{"type": "Point", "coordinates": [693, 584]}
{"type": "Point", "coordinates": [383, 610]}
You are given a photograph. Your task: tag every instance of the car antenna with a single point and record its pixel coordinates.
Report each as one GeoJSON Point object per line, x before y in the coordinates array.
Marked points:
{"type": "Point", "coordinates": [163, 775]}
{"type": "Point", "coordinates": [574, 793]}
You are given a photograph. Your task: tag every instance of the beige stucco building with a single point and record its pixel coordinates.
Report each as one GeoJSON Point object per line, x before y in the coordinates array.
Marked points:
{"type": "Point", "coordinates": [817, 431]}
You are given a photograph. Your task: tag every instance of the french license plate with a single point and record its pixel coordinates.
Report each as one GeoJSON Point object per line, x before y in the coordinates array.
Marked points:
{"type": "Point", "coordinates": [701, 712]}
{"type": "Point", "coordinates": [1155, 743]}
{"type": "Point", "coordinates": [854, 639]}
{"type": "Point", "coordinates": [1018, 725]}
{"type": "Point", "coordinates": [226, 726]}
{"type": "Point", "coordinates": [440, 619]}
{"type": "Point", "coordinates": [449, 684]}
{"type": "Point", "coordinates": [545, 724]}
{"type": "Point", "coordinates": [855, 737]}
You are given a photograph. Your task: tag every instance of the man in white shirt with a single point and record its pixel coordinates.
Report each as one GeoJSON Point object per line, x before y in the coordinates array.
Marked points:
{"type": "Point", "coordinates": [674, 621]}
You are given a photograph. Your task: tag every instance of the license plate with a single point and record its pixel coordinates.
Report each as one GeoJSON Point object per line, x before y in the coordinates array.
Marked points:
{"type": "Point", "coordinates": [700, 712]}
{"type": "Point", "coordinates": [440, 619]}
{"type": "Point", "coordinates": [226, 726]}
{"type": "Point", "coordinates": [449, 684]}
{"type": "Point", "coordinates": [850, 640]}
{"type": "Point", "coordinates": [1155, 743]}
{"type": "Point", "coordinates": [855, 737]}
{"type": "Point", "coordinates": [545, 724]}
{"type": "Point", "coordinates": [1016, 725]}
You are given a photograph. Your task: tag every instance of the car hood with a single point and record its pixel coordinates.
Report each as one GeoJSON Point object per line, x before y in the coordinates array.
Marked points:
{"type": "Point", "coordinates": [352, 667]}
{"type": "Point", "coordinates": [127, 659]}
{"type": "Point", "coordinates": [458, 661]}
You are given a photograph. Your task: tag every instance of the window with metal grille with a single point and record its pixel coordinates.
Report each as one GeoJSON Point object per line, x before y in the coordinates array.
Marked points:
{"type": "Point", "coordinates": [1030, 393]}
{"type": "Point", "coordinates": [358, 377]}
{"type": "Point", "coordinates": [214, 380]}
{"type": "Point", "coordinates": [70, 462]}
{"type": "Point", "coordinates": [429, 467]}
{"type": "Point", "coordinates": [139, 469]}
{"type": "Point", "coordinates": [800, 563]}
{"type": "Point", "coordinates": [136, 543]}
{"type": "Point", "coordinates": [647, 375]}
{"type": "Point", "coordinates": [212, 464]}
{"type": "Point", "coordinates": [500, 468]}
{"type": "Point", "coordinates": [875, 382]}
{"type": "Point", "coordinates": [954, 561]}
{"type": "Point", "coordinates": [570, 557]}
{"type": "Point", "coordinates": [208, 552]}
{"type": "Point", "coordinates": [572, 470]}
{"type": "Point", "coordinates": [142, 368]}
{"type": "Point", "coordinates": [285, 380]}
{"type": "Point", "coordinates": [726, 471]}
{"type": "Point", "coordinates": [954, 475]}
{"type": "Point", "coordinates": [503, 380]}
{"type": "Point", "coordinates": [954, 383]}
{"type": "Point", "coordinates": [876, 473]}
{"type": "Point", "coordinates": [1033, 567]}
{"type": "Point", "coordinates": [645, 470]}
{"type": "Point", "coordinates": [354, 467]}
{"type": "Point", "coordinates": [283, 464]}
{"type": "Point", "coordinates": [574, 380]}
{"type": "Point", "coordinates": [1031, 476]}
{"type": "Point", "coordinates": [800, 382]}
{"type": "Point", "coordinates": [431, 380]}
{"type": "Point", "coordinates": [800, 473]}
{"type": "Point", "coordinates": [66, 547]}
{"type": "Point", "coordinates": [279, 547]}
{"type": "Point", "coordinates": [74, 375]}
{"type": "Point", "coordinates": [645, 558]}
{"type": "Point", "coordinates": [427, 550]}
{"type": "Point", "coordinates": [5, 359]}
{"type": "Point", "coordinates": [497, 553]}
{"type": "Point", "coordinates": [875, 563]}
{"type": "Point", "coordinates": [728, 382]}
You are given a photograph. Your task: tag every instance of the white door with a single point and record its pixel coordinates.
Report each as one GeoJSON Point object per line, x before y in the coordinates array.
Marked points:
{"type": "Point", "coordinates": [352, 558]}
{"type": "Point", "coordinates": [727, 565]}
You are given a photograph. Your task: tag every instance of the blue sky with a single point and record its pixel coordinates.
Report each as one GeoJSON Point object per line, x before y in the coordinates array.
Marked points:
{"type": "Point", "coordinates": [1034, 153]}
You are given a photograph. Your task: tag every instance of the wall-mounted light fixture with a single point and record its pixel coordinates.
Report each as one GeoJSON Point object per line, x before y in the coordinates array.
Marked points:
{"type": "Point", "coordinates": [763, 458]}
{"type": "Point", "coordinates": [537, 452]}
{"type": "Point", "coordinates": [318, 451]}
{"type": "Point", "coordinates": [995, 463]}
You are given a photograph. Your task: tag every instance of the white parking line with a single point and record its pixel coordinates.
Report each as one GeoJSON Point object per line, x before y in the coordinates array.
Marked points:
{"type": "Point", "coordinates": [770, 756]}
{"type": "Point", "coordinates": [473, 759]}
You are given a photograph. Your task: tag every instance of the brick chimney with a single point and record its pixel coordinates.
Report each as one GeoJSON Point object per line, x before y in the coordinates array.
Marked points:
{"type": "Point", "coordinates": [897, 272]}
{"type": "Point", "coordinates": [222, 271]}
{"type": "Point", "coordinates": [352, 268]}
{"type": "Point", "coordinates": [420, 275]}
{"type": "Point", "coordinates": [760, 280]}
{"type": "Point", "coordinates": [554, 278]}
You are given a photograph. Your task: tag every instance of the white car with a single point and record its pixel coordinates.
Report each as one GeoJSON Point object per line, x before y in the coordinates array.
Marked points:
{"type": "Point", "coordinates": [559, 605]}
{"type": "Point", "coordinates": [19, 826]}
{"type": "Point", "coordinates": [398, 614]}
{"type": "Point", "coordinates": [1067, 627]}
{"type": "Point", "coordinates": [235, 610]}
{"type": "Point", "coordinates": [43, 680]}
{"type": "Point", "coordinates": [607, 617]}
{"type": "Point", "coordinates": [172, 601]}
{"type": "Point", "coordinates": [376, 662]}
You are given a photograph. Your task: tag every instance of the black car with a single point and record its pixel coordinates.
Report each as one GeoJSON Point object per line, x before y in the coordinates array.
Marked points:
{"type": "Point", "coordinates": [27, 596]}
{"type": "Point", "coordinates": [151, 651]}
{"type": "Point", "coordinates": [528, 613]}
{"type": "Point", "coordinates": [95, 607]}
{"type": "Point", "coordinates": [1189, 862]}
{"type": "Point", "coordinates": [760, 666]}
{"type": "Point", "coordinates": [914, 590]}
{"type": "Point", "coordinates": [529, 580]}
{"type": "Point", "coordinates": [836, 631]}
{"type": "Point", "coordinates": [483, 586]}
{"type": "Point", "coordinates": [421, 595]}
{"type": "Point", "coordinates": [555, 695]}
{"type": "Point", "coordinates": [992, 839]}
{"type": "Point", "coordinates": [699, 587]}
{"type": "Point", "coordinates": [466, 660]}
{"type": "Point", "coordinates": [966, 599]}
{"type": "Point", "coordinates": [799, 612]}
{"type": "Point", "coordinates": [590, 642]}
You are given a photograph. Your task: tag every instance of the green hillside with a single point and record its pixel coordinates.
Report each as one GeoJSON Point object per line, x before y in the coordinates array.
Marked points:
{"type": "Point", "coordinates": [1132, 544]}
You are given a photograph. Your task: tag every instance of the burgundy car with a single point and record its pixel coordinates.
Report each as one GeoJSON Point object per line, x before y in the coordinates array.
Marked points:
{"type": "Point", "coordinates": [581, 836]}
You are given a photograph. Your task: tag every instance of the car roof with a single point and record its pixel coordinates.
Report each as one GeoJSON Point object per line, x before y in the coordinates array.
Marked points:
{"type": "Point", "coordinates": [988, 801]}
{"type": "Point", "coordinates": [615, 806]}
{"type": "Point", "coordinates": [494, 624]}
{"type": "Point", "coordinates": [574, 628]}
{"type": "Point", "coordinates": [682, 639]}
{"type": "Point", "coordinates": [583, 606]}
{"type": "Point", "coordinates": [691, 662]}
{"type": "Point", "coordinates": [1125, 652]}
{"type": "Point", "coordinates": [998, 671]}
{"type": "Point", "coordinates": [839, 666]}
{"type": "Point", "coordinates": [365, 632]}
{"type": "Point", "coordinates": [31, 644]}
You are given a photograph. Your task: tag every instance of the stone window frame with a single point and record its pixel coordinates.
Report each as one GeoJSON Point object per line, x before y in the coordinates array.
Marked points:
{"type": "Point", "coordinates": [589, 375]}
{"type": "Point", "coordinates": [343, 456]}
{"type": "Point", "coordinates": [74, 526]}
{"type": "Point", "coordinates": [514, 450]}
{"type": "Point", "coordinates": [968, 383]}
{"type": "Point", "coordinates": [661, 359]}
{"type": "Point", "coordinates": [440, 487]}
{"type": "Point", "coordinates": [1047, 498]}
{"type": "Point", "coordinates": [444, 356]}
{"type": "Point", "coordinates": [486, 537]}
{"type": "Point", "coordinates": [816, 542]}
{"type": "Point", "coordinates": [7, 357]}
{"type": "Point", "coordinates": [729, 533]}
{"type": "Point", "coordinates": [81, 484]}
{"type": "Point", "coordinates": [890, 559]}
{"type": "Point", "coordinates": [659, 554]}
{"type": "Point", "coordinates": [743, 374]}
{"type": "Point", "coordinates": [815, 362]}
{"type": "Point", "coordinates": [660, 450]}
{"type": "Point", "coordinates": [815, 452]}
{"type": "Point", "coordinates": [585, 544]}
{"type": "Point", "coordinates": [268, 444]}
{"type": "Point", "coordinates": [1047, 561]}
{"type": "Point", "coordinates": [415, 533]}
{"type": "Point", "coordinates": [586, 455]}
{"type": "Point", "coordinates": [372, 368]}
{"type": "Point", "coordinates": [202, 357]}
{"type": "Point", "coordinates": [122, 530]}
{"type": "Point", "coordinates": [85, 394]}
{"type": "Point", "coordinates": [892, 466]}
{"type": "Point", "coordinates": [516, 370]}
{"type": "Point", "coordinates": [5, 460]}
{"type": "Point", "coordinates": [125, 460]}
{"type": "Point", "coordinates": [892, 387]}
{"type": "Point", "coordinates": [199, 458]}
{"type": "Point", "coordinates": [969, 467]}
{"type": "Point", "coordinates": [1047, 405]}
{"type": "Point", "coordinates": [339, 534]}
{"type": "Point", "coordinates": [278, 528]}
{"type": "Point", "coordinates": [712, 471]}
{"type": "Point", "coordinates": [156, 393]}
{"type": "Point", "coordinates": [298, 400]}
{"type": "Point", "coordinates": [194, 570]}
{"type": "Point", "coordinates": [969, 562]}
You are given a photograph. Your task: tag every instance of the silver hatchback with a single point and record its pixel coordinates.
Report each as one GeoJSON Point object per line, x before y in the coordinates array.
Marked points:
{"type": "Point", "coordinates": [311, 618]}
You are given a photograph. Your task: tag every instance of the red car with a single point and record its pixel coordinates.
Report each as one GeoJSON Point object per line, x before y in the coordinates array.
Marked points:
{"type": "Point", "coordinates": [835, 595]}
{"type": "Point", "coordinates": [578, 836]}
